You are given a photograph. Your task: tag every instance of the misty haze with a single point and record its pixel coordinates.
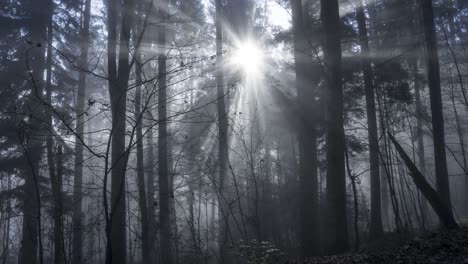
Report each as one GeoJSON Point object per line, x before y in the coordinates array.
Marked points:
{"type": "Point", "coordinates": [233, 131]}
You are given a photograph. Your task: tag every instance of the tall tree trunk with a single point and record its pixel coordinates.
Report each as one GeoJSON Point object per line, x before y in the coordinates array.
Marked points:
{"type": "Point", "coordinates": [353, 179]}
{"type": "Point", "coordinates": [193, 222]}
{"type": "Point", "coordinates": [433, 73]}
{"type": "Point", "coordinates": [376, 227]}
{"type": "Point", "coordinates": [306, 83]}
{"type": "Point", "coordinates": [267, 217]}
{"type": "Point", "coordinates": [118, 82]}
{"type": "Point", "coordinates": [54, 172]}
{"type": "Point", "coordinates": [165, 234]}
{"type": "Point", "coordinates": [385, 195]}
{"type": "Point", "coordinates": [336, 178]}
{"type": "Point", "coordinates": [222, 134]}
{"type": "Point", "coordinates": [77, 218]}
{"type": "Point", "coordinates": [94, 215]}
{"type": "Point", "coordinates": [419, 134]}
{"type": "Point", "coordinates": [151, 176]}
{"type": "Point", "coordinates": [152, 203]}
{"type": "Point", "coordinates": [142, 198]}
{"type": "Point", "coordinates": [58, 221]}
{"type": "Point", "coordinates": [33, 145]}
{"type": "Point", "coordinates": [172, 210]}
{"type": "Point", "coordinates": [141, 183]}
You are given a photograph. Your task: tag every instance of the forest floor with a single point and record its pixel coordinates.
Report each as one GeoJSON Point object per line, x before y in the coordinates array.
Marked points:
{"type": "Point", "coordinates": [444, 247]}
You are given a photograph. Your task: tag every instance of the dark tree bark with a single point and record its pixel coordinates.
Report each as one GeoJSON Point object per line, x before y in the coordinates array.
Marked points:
{"type": "Point", "coordinates": [433, 73]}
{"type": "Point", "coordinates": [152, 203]}
{"type": "Point", "coordinates": [54, 165]}
{"type": "Point", "coordinates": [77, 218]}
{"type": "Point", "coordinates": [149, 155]}
{"type": "Point", "coordinates": [353, 178]}
{"type": "Point", "coordinates": [58, 212]}
{"type": "Point", "coordinates": [307, 79]}
{"type": "Point", "coordinates": [336, 178]}
{"type": "Point", "coordinates": [222, 134]}
{"type": "Point", "coordinates": [376, 227]}
{"type": "Point", "coordinates": [40, 12]}
{"type": "Point", "coordinates": [165, 233]}
{"type": "Point", "coordinates": [118, 82]}
{"type": "Point", "coordinates": [142, 198]}
{"type": "Point", "coordinates": [141, 183]}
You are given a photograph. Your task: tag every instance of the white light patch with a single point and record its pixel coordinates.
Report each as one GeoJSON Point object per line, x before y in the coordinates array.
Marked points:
{"type": "Point", "coordinates": [249, 57]}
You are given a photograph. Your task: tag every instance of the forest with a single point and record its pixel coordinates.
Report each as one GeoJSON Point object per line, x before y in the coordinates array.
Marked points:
{"type": "Point", "coordinates": [233, 131]}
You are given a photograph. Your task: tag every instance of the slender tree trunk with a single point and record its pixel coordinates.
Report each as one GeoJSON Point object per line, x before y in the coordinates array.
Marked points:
{"type": "Point", "coordinates": [442, 179]}
{"type": "Point", "coordinates": [419, 133]}
{"type": "Point", "coordinates": [403, 196]}
{"type": "Point", "coordinates": [222, 134]}
{"type": "Point", "coordinates": [93, 235]}
{"type": "Point", "coordinates": [152, 203]}
{"type": "Point", "coordinates": [376, 227]}
{"type": "Point", "coordinates": [172, 211]}
{"type": "Point", "coordinates": [385, 195]}
{"type": "Point", "coordinates": [142, 197]}
{"type": "Point", "coordinates": [165, 234]}
{"type": "Point", "coordinates": [397, 206]}
{"type": "Point", "coordinates": [141, 183]}
{"type": "Point", "coordinates": [77, 218]}
{"type": "Point", "coordinates": [94, 215]}
{"type": "Point", "coordinates": [192, 221]}
{"type": "Point", "coordinates": [58, 219]}
{"type": "Point", "coordinates": [54, 172]}
{"type": "Point", "coordinates": [336, 178]}
{"type": "Point", "coordinates": [353, 180]}
{"type": "Point", "coordinates": [150, 179]}
{"type": "Point", "coordinates": [267, 217]}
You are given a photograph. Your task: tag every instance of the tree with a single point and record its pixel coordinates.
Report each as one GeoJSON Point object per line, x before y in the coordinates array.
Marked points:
{"type": "Point", "coordinates": [434, 197]}
{"type": "Point", "coordinates": [165, 192]}
{"type": "Point", "coordinates": [55, 165]}
{"type": "Point", "coordinates": [376, 227]}
{"type": "Point", "coordinates": [438, 132]}
{"type": "Point", "coordinates": [32, 143]}
{"type": "Point", "coordinates": [145, 221]}
{"type": "Point", "coordinates": [77, 219]}
{"type": "Point", "coordinates": [307, 79]}
{"type": "Point", "coordinates": [118, 76]}
{"type": "Point", "coordinates": [222, 133]}
{"type": "Point", "coordinates": [336, 178]}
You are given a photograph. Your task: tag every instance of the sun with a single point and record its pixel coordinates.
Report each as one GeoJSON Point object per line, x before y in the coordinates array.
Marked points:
{"type": "Point", "coordinates": [249, 57]}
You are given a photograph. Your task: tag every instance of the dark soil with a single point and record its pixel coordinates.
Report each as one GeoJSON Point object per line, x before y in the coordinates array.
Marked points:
{"type": "Point", "coordinates": [444, 247]}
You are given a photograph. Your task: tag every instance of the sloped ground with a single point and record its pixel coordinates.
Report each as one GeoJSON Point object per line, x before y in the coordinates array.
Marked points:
{"type": "Point", "coordinates": [445, 247]}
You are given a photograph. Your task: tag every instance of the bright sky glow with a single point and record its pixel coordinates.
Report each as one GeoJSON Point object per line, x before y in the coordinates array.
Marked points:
{"type": "Point", "coordinates": [278, 15]}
